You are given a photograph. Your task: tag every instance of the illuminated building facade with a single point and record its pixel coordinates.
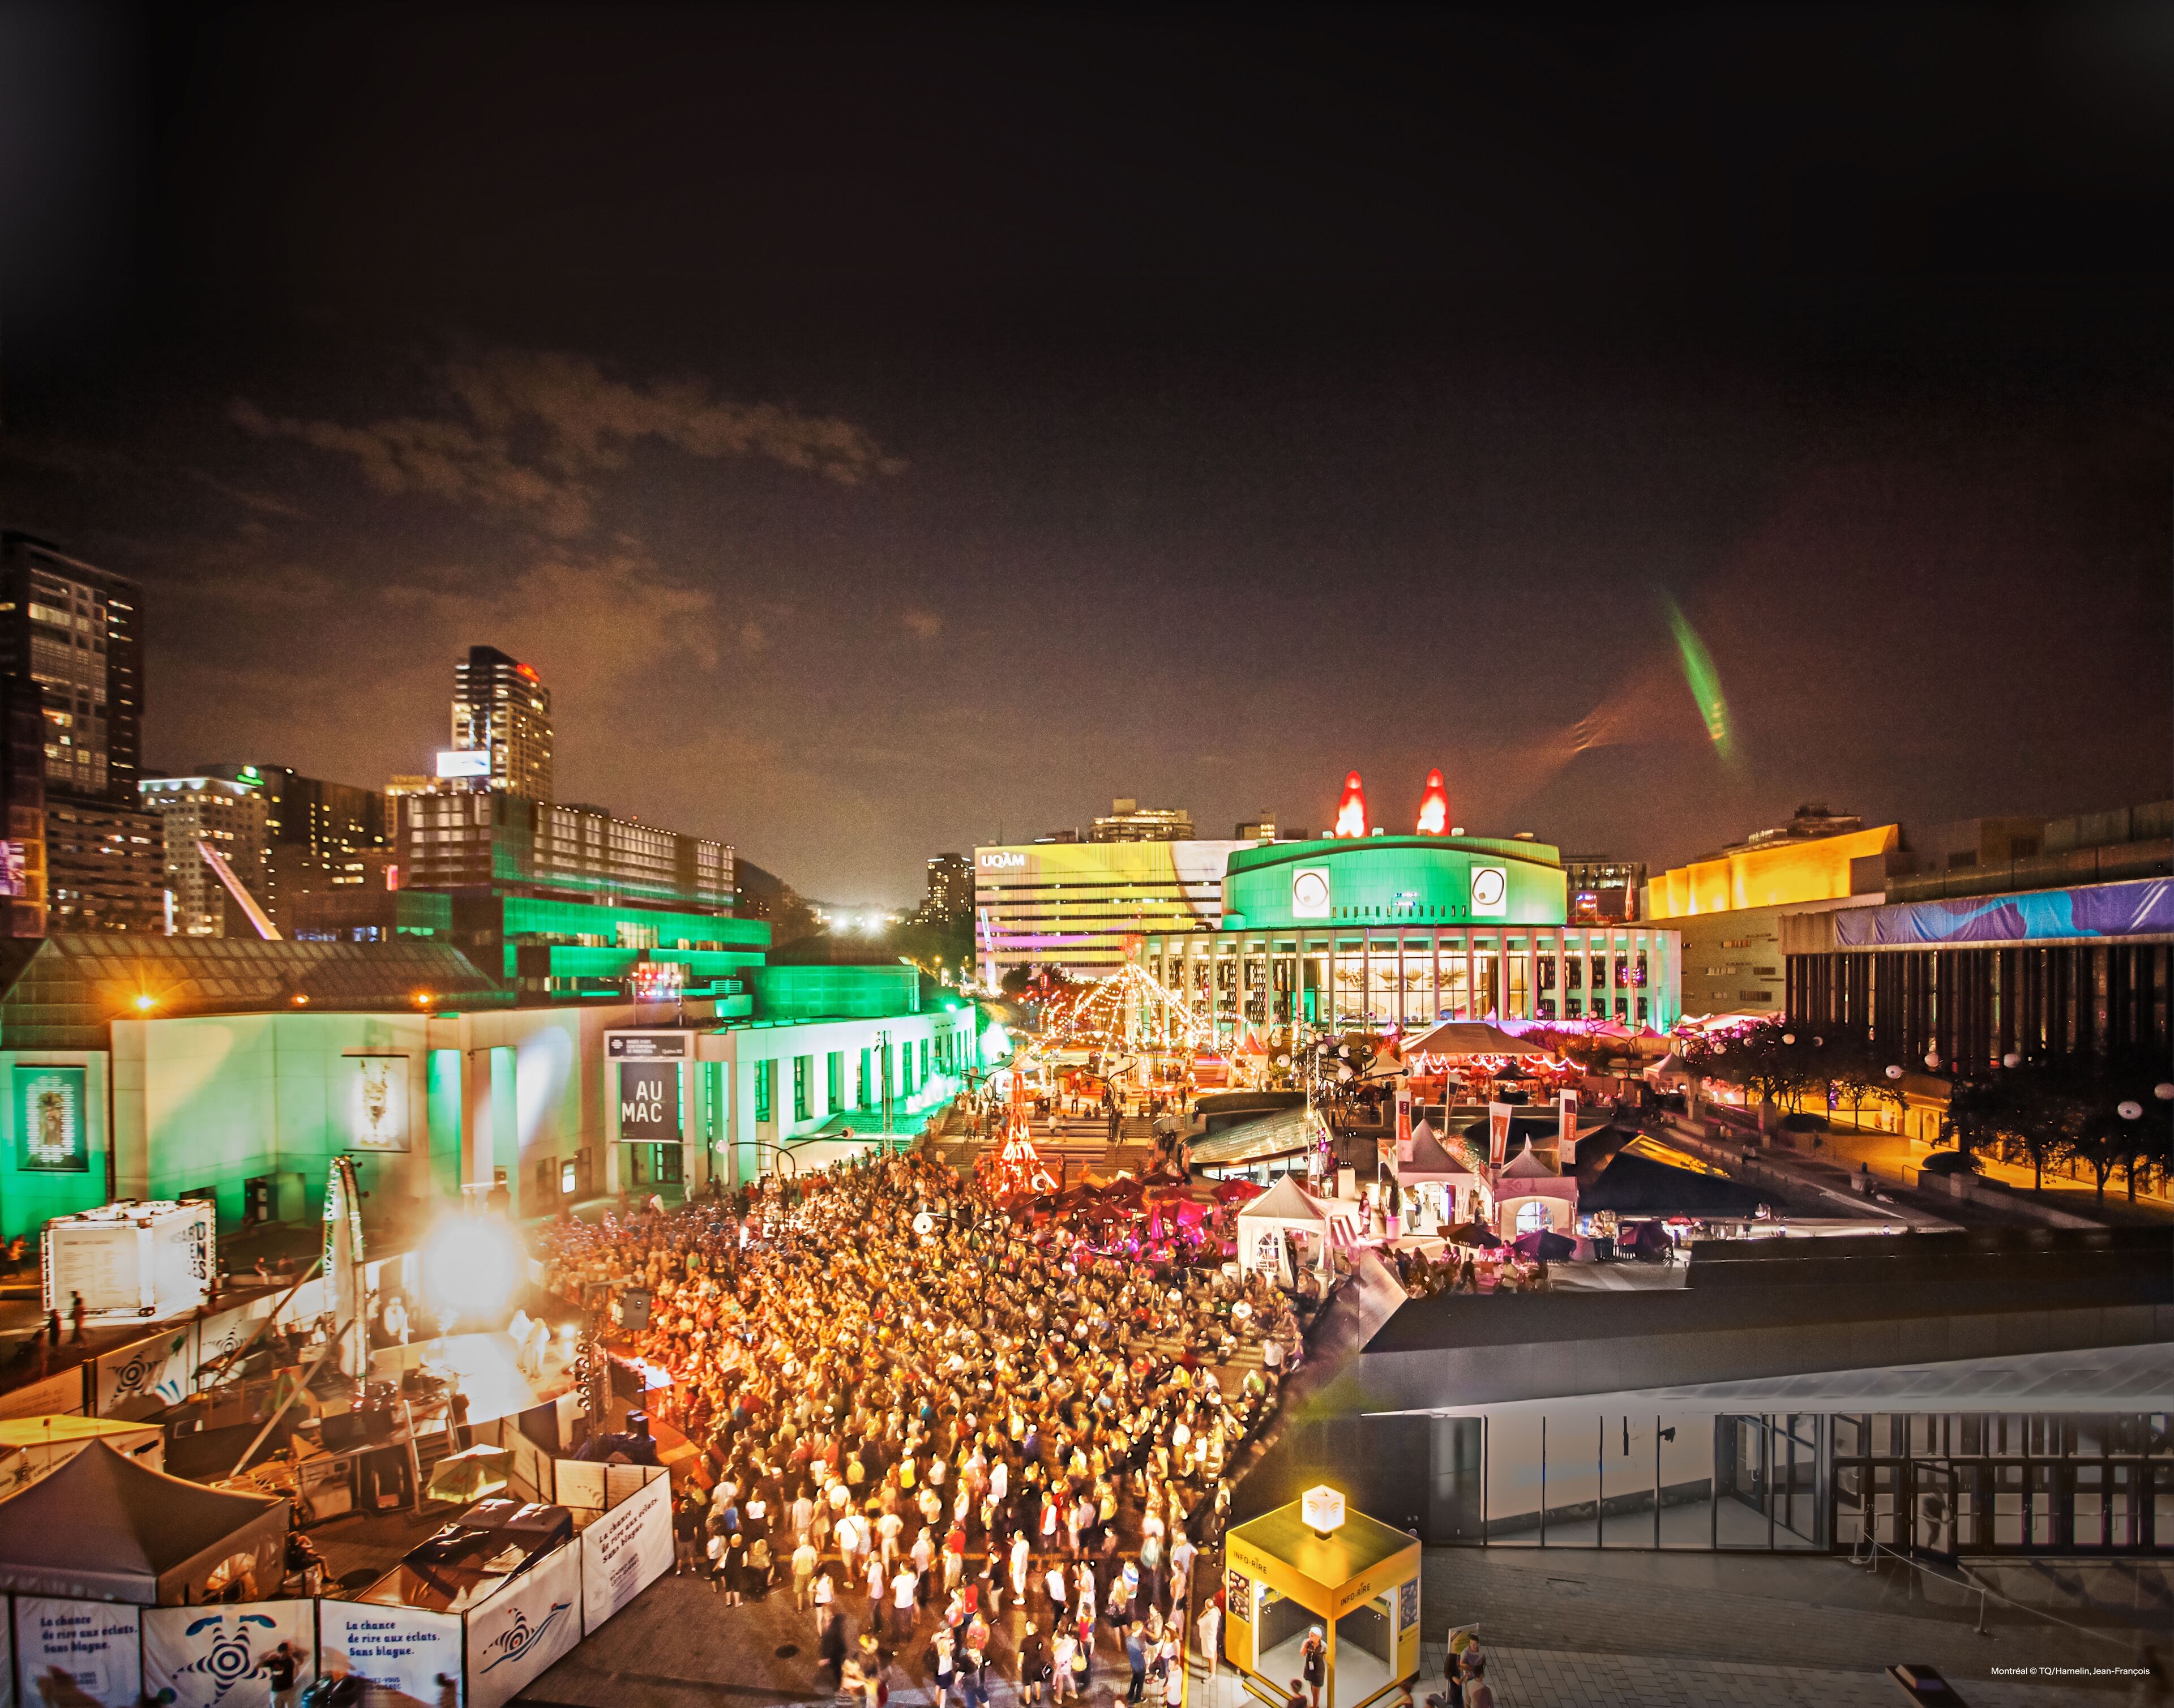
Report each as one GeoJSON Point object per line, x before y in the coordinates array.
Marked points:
{"type": "Point", "coordinates": [319, 835]}
{"type": "Point", "coordinates": [229, 818]}
{"type": "Point", "coordinates": [2065, 950]}
{"type": "Point", "coordinates": [1728, 910]}
{"type": "Point", "coordinates": [501, 707]}
{"type": "Point", "coordinates": [1074, 905]}
{"type": "Point", "coordinates": [237, 1070]}
{"type": "Point", "coordinates": [1380, 930]}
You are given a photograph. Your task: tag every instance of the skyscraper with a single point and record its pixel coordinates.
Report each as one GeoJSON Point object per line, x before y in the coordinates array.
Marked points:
{"type": "Point", "coordinates": [318, 835]}
{"type": "Point", "coordinates": [951, 896]}
{"type": "Point", "coordinates": [500, 706]}
{"type": "Point", "coordinates": [71, 646]}
{"type": "Point", "coordinates": [229, 819]}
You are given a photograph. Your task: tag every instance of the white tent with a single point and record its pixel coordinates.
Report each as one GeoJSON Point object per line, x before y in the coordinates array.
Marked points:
{"type": "Point", "coordinates": [1287, 1208]}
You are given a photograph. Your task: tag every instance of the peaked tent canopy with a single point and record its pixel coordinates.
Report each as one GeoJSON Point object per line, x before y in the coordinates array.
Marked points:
{"type": "Point", "coordinates": [1430, 1159]}
{"type": "Point", "coordinates": [103, 1527]}
{"type": "Point", "coordinates": [1528, 1166]}
{"type": "Point", "coordinates": [1467, 1038]}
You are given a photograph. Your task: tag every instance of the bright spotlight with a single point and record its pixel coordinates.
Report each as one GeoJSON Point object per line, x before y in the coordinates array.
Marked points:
{"type": "Point", "coordinates": [471, 1267]}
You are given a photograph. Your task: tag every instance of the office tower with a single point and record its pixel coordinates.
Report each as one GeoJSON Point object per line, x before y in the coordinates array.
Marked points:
{"type": "Point", "coordinates": [501, 707]}
{"type": "Point", "coordinates": [1127, 821]}
{"type": "Point", "coordinates": [318, 835]}
{"type": "Point", "coordinates": [71, 635]}
{"type": "Point", "coordinates": [229, 819]}
{"type": "Point", "coordinates": [951, 896]}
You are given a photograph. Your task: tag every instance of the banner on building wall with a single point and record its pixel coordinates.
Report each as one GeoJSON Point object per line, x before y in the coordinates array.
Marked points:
{"type": "Point", "coordinates": [78, 1652]}
{"type": "Point", "coordinates": [214, 1657]}
{"type": "Point", "coordinates": [52, 1136]}
{"type": "Point", "coordinates": [524, 1628]}
{"type": "Point", "coordinates": [649, 1102]}
{"type": "Point", "coordinates": [373, 1098]}
{"type": "Point", "coordinates": [146, 1376]}
{"type": "Point", "coordinates": [1565, 1128]}
{"type": "Point", "coordinates": [1404, 1121]}
{"type": "Point", "coordinates": [403, 1649]}
{"type": "Point", "coordinates": [2100, 910]}
{"type": "Point", "coordinates": [625, 1551]}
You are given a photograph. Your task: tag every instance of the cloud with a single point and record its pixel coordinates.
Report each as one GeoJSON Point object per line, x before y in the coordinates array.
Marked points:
{"type": "Point", "coordinates": [532, 432]}
{"type": "Point", "coordinates": [923, 626]}
{"type": "Point", "coordinates": [263, 503]}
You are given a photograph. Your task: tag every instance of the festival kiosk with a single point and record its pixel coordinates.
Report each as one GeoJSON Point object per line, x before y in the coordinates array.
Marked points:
{"type": "Point", "coordinates": [1317, 1564]}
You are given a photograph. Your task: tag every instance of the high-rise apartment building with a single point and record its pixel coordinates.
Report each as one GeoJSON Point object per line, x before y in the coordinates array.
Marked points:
{"type": "Point", "coordinates": [71, 640]}
{"type": "Point", "coordinates": [1127, 821]}
{"type": "Point", "coordinates": [318, 835]}
{"type": "Point", "coordinates": [74, 628]}
{"type": "Point", "coordinates": [501, 707]}
{"type": "Point", "coordinates": [950, 894]}
{"type": "Point", "coordinates": [229, 819]}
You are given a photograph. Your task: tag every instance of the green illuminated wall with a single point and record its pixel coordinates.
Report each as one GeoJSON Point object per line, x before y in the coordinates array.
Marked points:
{"type": "Point", "coordinates": [30, 1196]}
{"type": "Point", "coordinates": [1424, 879]}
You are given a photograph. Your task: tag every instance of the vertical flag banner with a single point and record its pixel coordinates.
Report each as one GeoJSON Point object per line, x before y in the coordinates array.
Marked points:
{"type": "Point", "coordinates": [1498, 1133]}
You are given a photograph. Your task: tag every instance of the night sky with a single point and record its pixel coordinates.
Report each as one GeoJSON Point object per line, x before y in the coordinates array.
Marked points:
{"type": "Point", "coordinates": [888, 431]}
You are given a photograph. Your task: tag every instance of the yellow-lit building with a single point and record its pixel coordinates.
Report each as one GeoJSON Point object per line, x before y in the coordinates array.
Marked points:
{"type": "Point", "coordinates": [1728, 911]}
{"type": "Point", "coordinates": [1766, 874]}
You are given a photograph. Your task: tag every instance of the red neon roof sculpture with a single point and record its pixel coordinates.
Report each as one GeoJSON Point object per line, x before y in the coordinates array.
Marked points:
{"type": "Point", "coordinates": [1351, 811]}
{"type": "Point", "coordinates": [1434, 807]}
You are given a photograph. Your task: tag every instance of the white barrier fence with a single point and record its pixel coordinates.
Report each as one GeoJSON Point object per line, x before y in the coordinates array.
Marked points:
{"type": "Point", "coordinates": [115, 1656]}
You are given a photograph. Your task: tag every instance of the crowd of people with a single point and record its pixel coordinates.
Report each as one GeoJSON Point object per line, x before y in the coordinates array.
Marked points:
{"type": "Point", "coordinates": [923, 1411]}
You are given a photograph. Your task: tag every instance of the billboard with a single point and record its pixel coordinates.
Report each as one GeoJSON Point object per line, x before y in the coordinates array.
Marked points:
{"type": "Point", "coordinates": [649, 1102]}
{"type": "Point", "coordinates": [373, 1101]}
{"type": "Point", "coordinates": [1310, 892]}
{"type": "Point", "coordinates": [51, 1136]}
{"type": "Point", "coordinates": [464, 762]}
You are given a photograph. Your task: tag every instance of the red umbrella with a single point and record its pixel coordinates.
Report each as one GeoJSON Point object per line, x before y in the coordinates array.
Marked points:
{"type": "Point", "coordinates": [1237, 1191]}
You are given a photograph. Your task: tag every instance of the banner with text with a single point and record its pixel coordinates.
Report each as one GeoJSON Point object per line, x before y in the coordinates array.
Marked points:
{"type": "Point", "coordinates": [524, 1628]}
{"type": "Point", "coordinates": [80, 1652]}
{"type": "Point", "coordinates": [625, 1551]}
{"type": "Point", "coordinates": [216, 1657]}
{"type": "Point", "coordinates": [411, 1655]}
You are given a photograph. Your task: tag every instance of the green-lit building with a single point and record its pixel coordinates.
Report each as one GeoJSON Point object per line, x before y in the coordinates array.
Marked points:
{"type": "Point", "coordinates": [1406, 931]}
{"type": "Point", "coordinates": [236, 1070]}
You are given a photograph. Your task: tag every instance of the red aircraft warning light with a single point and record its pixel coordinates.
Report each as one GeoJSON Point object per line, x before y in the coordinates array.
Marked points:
{"type": "Point", "coordinates": [1351, 811]}
{"type": "Point", "coordinates": [1434, 807]}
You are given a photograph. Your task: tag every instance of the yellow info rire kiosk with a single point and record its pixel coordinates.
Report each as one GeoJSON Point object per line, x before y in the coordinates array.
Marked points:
{"type": "Point", "coordinates": [1314, 1564]}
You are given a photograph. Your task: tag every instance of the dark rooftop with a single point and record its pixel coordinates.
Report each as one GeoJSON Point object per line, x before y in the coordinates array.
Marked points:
{"type": "Point", "coordinates": [62, 993]}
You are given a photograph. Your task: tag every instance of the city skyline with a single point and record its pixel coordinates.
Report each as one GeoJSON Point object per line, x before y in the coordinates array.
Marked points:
{"type": "Point", "coordinates": [971, 484]}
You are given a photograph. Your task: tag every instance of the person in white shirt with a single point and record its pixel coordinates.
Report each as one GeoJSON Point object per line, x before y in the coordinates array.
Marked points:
{"type": "Point", "coordinates": [1210, 1628]}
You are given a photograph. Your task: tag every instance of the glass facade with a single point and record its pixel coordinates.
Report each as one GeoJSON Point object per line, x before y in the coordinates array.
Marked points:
{"type": "Point", "coordinates": [1411, 977]}
{"type": "Point", "coordinates": [1952, 1482]}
